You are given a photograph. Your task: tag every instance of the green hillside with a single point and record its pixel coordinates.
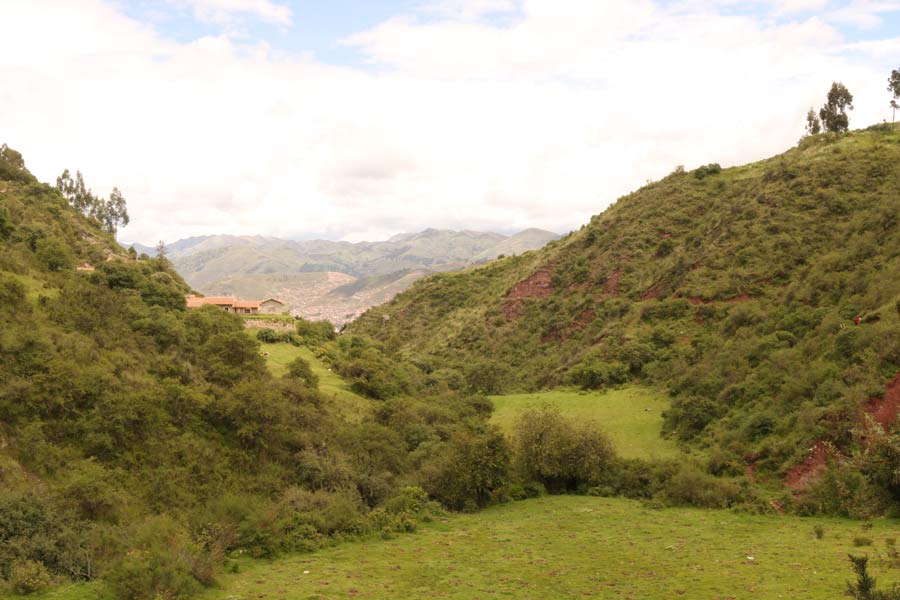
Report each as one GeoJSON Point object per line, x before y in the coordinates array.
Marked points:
{"type": "Point", "coordinates": [144, 445]}
{"type": "Point", "coordinates": [734, 289]}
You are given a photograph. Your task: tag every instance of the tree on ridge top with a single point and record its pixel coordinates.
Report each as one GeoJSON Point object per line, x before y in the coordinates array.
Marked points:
{"type": "Point", "coordinates": [834, 113]}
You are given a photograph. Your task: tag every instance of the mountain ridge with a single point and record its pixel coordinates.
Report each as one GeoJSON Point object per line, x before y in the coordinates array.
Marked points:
{"type": "Point", "coordinates": [260, 266]}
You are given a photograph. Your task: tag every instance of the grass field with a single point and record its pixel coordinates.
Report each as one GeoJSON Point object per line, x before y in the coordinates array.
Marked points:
{"type": "Point", "coordinates": [351, 405]}
{"type": "Point", "coordinates": [573, 547]}
{"type": "Point", "coordinates": [631, 416]}
{"type": "Point", "coordinates": [576, 547]}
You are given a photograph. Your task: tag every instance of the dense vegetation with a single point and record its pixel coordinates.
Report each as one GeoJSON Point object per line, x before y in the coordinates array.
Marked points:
{"type": "Point", "coordinates": [764, 298]}
{"type": "Point", "coordinates": [144, 444]}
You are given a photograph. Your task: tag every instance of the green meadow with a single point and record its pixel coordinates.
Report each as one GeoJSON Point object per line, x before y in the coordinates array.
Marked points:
{"type": "Point", "coordinates": [631, 416]}
{"type": "Point", "coordinates": [577, 547]}
{"type": "Point", "coordinates": [573, 547]}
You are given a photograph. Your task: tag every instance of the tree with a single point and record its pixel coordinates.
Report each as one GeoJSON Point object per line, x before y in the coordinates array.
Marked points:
{"type": "Point", "coordinates": [12, 157]}
{"type": "Point", "coordinates": [834, 113]}
{"type": "Point", "coordinates": [161, 251]}
{"type": "Point", "coordinates": [894, 107]}
{"type": "Point", "coordinates": [109, 213]}
{"type": "Point", "coordinates": [813, 124]}
{"type": "Point", "coordinates": [116, 212]}
{"type": "Point", "coordinates": [894, 83]}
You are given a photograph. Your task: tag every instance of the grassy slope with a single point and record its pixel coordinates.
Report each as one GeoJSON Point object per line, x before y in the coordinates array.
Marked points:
{"type": "Point", "coordinates": [346, 402]}
{"type": "Point", "coordinates": [631, 416]}
{"type": "Point", "coordinates": [572, 547]}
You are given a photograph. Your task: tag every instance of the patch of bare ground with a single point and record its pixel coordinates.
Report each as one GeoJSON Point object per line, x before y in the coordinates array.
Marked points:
{"type": "Point", "coordinates": [537, 285]}
{"type": "Point", "coordinates": [884, 410]}
{"type": "Point", "coordinates": [611, 286]}
{"type": "Point", "coordinates": [807, 472]}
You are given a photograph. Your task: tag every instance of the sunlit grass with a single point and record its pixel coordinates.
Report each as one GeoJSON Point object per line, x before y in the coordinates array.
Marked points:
{"type": "Point", "coordinates": [631, 416]}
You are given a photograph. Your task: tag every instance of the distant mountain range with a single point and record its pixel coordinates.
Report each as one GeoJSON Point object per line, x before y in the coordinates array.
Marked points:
{"type": "Point", "coordinates": [330, 280]}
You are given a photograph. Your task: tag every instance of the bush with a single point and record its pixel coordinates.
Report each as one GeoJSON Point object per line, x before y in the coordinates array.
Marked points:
{"type": "Point", "coordinates": [299, 368]}
{"type": "Point", "coordinates": [705, 170]}
{"type": "Point", "coordinates": [163, 564]}
{"type": "Point", "coordinates": [593, 373]}
{"type": "Point", "coordinates": [691, 486]}
{"type": "Point", "coordinates": [860, 541]}
{"type": "Point", "coordinates": [557, 453]}
{"type": "Point", "coordinates": [465, 472]}
{"type": "Point", "coordinates": [268, 336]}
{"type": "Point", "coordinates": [28, 577]}
{"type": "Point", "coordinates": [54, 254]}
{"type": "Point", "coordinates": [315, 332]}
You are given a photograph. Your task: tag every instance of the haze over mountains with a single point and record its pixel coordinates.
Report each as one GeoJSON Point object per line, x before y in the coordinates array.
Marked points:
{"type": "Point", "coordinates": [332, 280]}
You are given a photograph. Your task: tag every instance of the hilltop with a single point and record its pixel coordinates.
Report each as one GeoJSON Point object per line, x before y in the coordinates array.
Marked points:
{"type": "Point", "coordinates": [738, 290]}
{"type": "Point", "coordinates": [336, 281]}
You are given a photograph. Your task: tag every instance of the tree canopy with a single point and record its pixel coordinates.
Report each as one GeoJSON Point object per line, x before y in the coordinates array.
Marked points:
{"type": "Point", "coordinates": [834, 113]}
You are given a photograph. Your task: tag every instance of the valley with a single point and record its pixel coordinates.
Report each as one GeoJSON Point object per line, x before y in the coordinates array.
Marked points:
{"type": "Point", "coordinates": [334, 281]}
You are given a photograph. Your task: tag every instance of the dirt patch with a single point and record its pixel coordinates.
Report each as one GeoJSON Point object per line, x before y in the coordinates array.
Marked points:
{"type": "Point", "coordinates": [750, 471]}
{"type": "Point", "coordinates": [806, 473]}
{"type": "Point", "coordinates": [585, 318]}
{"type": "Point", "coordinates": [611, 286]}
{"type": "Point", "coordinates": [538, 285]}
{"type": "Point", "coordinates": [886, 409]}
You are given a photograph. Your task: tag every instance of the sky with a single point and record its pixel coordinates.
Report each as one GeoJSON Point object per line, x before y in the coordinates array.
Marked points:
{"type": "Point", "coordinates": [359, 119]}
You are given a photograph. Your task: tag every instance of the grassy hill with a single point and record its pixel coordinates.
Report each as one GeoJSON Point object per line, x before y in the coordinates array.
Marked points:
{"type": "Point", "coordinates": [142, 444]}
{"type": "Point", "coordinates": [736, 290]}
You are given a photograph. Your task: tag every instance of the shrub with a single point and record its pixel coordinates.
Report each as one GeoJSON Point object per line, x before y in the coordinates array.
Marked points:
{"type": "Point", "coordinates": [860, 541]}
{"type": "Point", "coordinates": [691, 486]}
{"type": "Point", "coordinates": [464, 473]}
{"type": "Point", "coordinates": [315, 332]}
{"type": "Point", "coordinates": [299, 368]}
{"type": "Point", "coordinates": [54, 254]}
{"type": "Point", "coordinates": [268, 336]}
{"type": "Point", "coordinates": [559, 454]}
{"type": "Point", "coordinates": [163, 564]}
{"type": "Point", "coordinates": [28, 577]}
{"type": "Point", "coordinates": [819, 531]}
{"type": "Point", "coordinates": [705, 170]}
{"type": "Point", "coordinates": [593, 373]}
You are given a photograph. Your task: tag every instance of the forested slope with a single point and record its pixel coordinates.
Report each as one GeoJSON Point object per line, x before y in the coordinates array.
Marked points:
{"type": "Point", "coordinates": [737, 290]}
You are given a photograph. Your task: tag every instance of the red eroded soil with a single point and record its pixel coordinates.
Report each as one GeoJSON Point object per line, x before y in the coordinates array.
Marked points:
{"type": "Point", "coordinates": [612, 283]}
{"type": "Point", "coordinates": [652, 293]}
{"type": "Point", "coordinates": [885, 410]}
{"type": "Point", "coordinates": [585, 319]}
{"type": "Point", "coordinates": [812, 467]}
{"type": "Point", "coordinates": [539, 285]}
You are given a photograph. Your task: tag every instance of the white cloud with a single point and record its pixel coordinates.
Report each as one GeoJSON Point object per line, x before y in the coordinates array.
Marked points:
{"type": "Point", "coordinates": [224, 12]}
{"type": "Point", "coordinates": [471, 9]}
{"type": "Point", "coordinates": [465, 123]}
